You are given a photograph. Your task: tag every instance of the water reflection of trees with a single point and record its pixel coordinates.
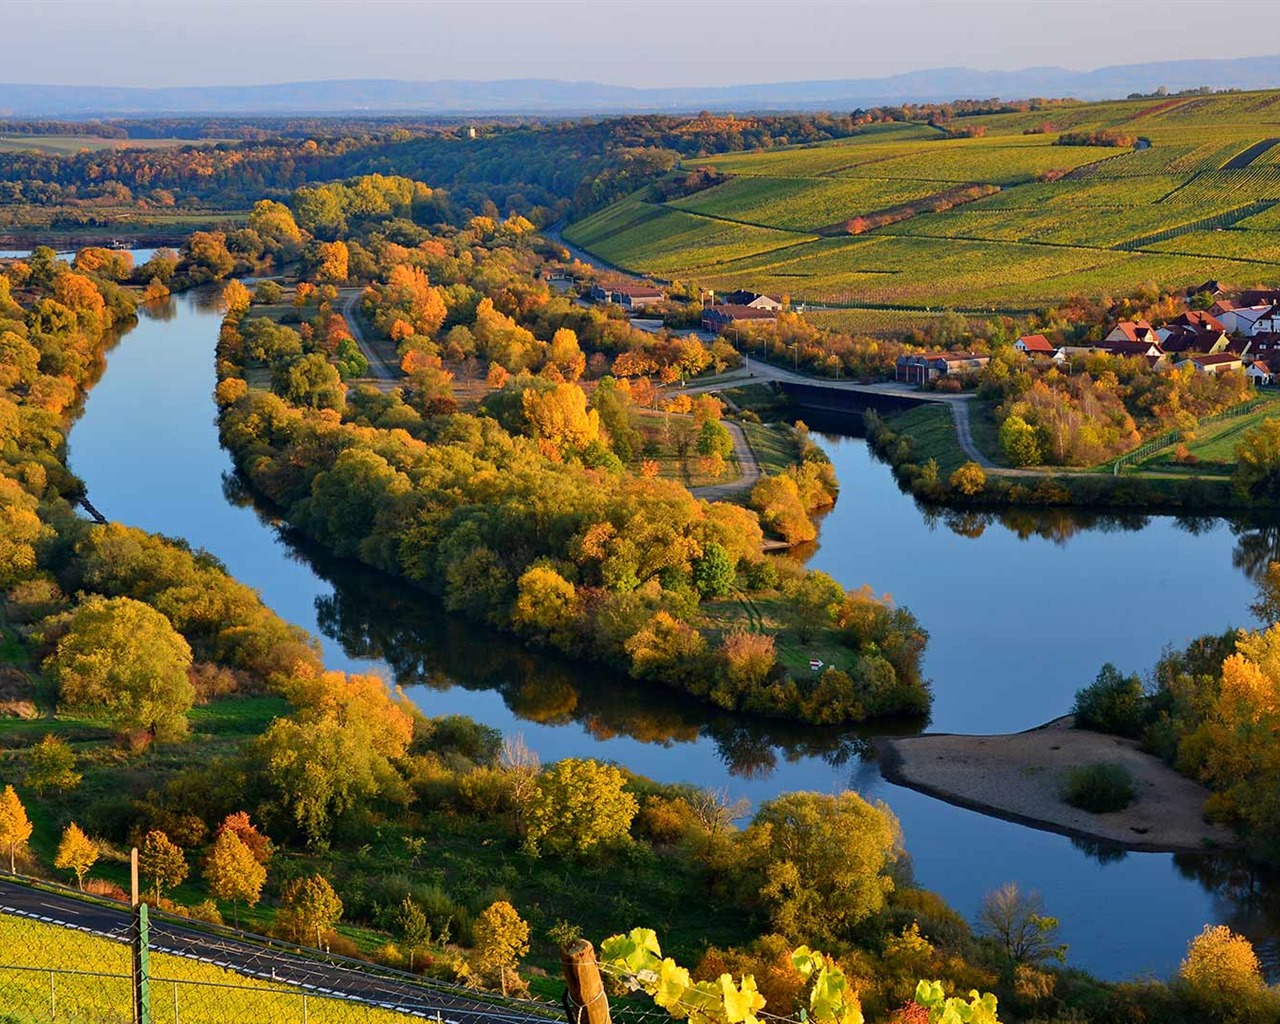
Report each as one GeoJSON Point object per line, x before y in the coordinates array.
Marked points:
{"type": "Point", "coordinates": [1257, 546]}
{"type": "Point", "coordinates": [374, 617]}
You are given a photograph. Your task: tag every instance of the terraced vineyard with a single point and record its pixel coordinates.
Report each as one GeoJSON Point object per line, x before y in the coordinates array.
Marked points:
{"type": "Point", "coordinates": [1198, 197]}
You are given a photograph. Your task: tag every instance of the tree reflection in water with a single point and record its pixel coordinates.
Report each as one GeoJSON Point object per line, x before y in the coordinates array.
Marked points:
{"type": "Point", "coordinates": [375, 617]}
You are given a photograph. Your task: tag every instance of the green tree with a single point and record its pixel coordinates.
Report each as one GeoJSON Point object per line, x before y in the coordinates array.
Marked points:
{"type": "Point", "coordinates": [579, 807]}
{"type": "Point", "coordinates": [52, 765]}
{"type": "Point", "coordinates": [76, 852]}
{"type": "Point", "coordinates": [123, 657]}
{"type": "Point", "coordinates": [501, 939]}
{"type": "Point", "coordinates": [822, 863]}
{"type": "Point", "coordinates": [308, 908]}
{"type": "Point", "coordinates": [310, 381]}
{"type": "Point", "coordinates": [1016, 921]}
{"type": "Point", "coordinates": [813, 601]}
{"type": "Point", "coordinates": [714, 573]}
{"type": "Point", "coordinates": [15, 826]}
{"type": "Point", "coordinates": [413, 927]}
{"type": "Point", "coordinates": [1020, 443]}
{"type": "Point", "coordinates": [234, 873]}
{"type": "Point", "coordinates": [1257, 473]}
{"type": "Point", "coordinates": [162, 861]}
{"type": "Point", "coordinates": [714, 439]}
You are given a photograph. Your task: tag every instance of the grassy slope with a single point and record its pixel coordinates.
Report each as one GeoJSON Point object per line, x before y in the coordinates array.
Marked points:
{"type": "Point", "coordinates": [1107, 219]}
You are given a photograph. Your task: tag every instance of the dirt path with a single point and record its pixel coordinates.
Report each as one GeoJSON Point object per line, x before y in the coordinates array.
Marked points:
{"type": "Point", "coordinates": [378, 369]}
{"type": "Point", "coordinates": [960, 417]}
{"type": "Point", "coordinates": [1019, 777]}
{"type": "Point", "coordinates": [748, 462]}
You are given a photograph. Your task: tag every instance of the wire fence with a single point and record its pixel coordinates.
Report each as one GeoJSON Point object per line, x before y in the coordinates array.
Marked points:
{"type": "Point", "coordinates": [107, 970]}
{"type": "Point", "coordinates": [1170, 436]}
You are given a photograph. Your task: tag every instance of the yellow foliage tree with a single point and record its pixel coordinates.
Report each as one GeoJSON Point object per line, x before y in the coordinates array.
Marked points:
{"type": "Point", "coordinates": [559, 418]}
{"type": "Point", "coordinates": [501, 939]}
{"type": "Point", "coordinates": [1221, 967]}
{"type": "Point", "coordinates": [76, 852]}
{"type": "Point", "coordinates": [15, 826]}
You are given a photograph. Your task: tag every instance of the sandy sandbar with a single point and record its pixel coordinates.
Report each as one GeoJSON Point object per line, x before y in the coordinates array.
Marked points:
{"type": "Point", "coordinates": [1019, 777]}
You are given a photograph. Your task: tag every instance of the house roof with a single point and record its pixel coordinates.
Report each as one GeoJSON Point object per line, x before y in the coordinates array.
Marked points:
{"type": "Point", "coordinates": [637, 291]}
{"type": "Point", "coordinates": [1240, 345]}
{"type": "Point", "coordinates": [1198, 318]}
{"type": "Point", "coordinates": [1037, 343]}
{"type": "Point", "coordinates": [1132, 348]}
{"type": "Point", "coordinates": [1182, 338]}
{"type": "Point", "coordinates": [1258, 297]}
{"type": "Point", "coordinates": [742, 297]}
{"type": "Point", "coordinates": [1221, 359]}
{"type": "Point", "coordinates": [731, 311]}
{"type": "Point", "coordinates": [1134, 330]}
{"type": "Point", "coordinates": [1262, 366]}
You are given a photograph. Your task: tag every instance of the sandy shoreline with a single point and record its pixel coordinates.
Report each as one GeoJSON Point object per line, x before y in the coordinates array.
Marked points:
{"type": "Point", "coordinates": [1019, 776]}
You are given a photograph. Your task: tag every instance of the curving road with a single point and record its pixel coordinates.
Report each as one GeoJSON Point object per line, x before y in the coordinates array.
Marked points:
{"type": "Point", "coordinates": [323, 976]}
{"type": "Point", "coordinates": [378, 370]}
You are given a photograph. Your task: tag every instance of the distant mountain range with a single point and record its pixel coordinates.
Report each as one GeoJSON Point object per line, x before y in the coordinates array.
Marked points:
{"type": "Point", "coordinates": [548, 96]}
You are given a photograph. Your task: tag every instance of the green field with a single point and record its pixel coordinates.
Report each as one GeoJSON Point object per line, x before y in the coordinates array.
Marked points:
{"type": "Point", "coordinates": [1200, 199]}
{"type": "Point", "coordinates": [60, 145]}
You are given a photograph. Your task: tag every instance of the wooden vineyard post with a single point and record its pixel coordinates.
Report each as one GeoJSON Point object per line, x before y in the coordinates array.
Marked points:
{"type": "Point", "coordinates": [584, 999]}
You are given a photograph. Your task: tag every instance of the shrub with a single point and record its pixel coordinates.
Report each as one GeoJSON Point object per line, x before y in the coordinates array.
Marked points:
{"type": "Point", "coordinates": [1100, 788]}
{"type": "Point", "coordinates": [1112, 703]}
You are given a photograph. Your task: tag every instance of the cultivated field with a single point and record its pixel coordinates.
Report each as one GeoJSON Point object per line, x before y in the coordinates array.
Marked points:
{"type": "Point", "coordinates": [1198, 198]}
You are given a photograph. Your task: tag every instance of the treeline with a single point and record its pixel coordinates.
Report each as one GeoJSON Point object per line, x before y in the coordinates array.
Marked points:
{"type": "Point", "coordinates": [1101, 137]}
{"type": "Point", "coordinates": [542, 171]}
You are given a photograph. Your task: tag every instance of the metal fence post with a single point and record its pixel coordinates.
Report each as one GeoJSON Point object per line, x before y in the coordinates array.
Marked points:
{"type": "Point", "coordinates": [141, 966]}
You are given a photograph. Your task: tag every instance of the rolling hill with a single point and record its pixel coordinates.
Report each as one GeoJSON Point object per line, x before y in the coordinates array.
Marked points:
{"type": "Point", "coordinates": [904, 216]}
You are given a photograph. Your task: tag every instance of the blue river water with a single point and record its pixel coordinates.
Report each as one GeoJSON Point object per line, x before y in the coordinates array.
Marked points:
{"type": "Point", "coordinates": [1021, 614]}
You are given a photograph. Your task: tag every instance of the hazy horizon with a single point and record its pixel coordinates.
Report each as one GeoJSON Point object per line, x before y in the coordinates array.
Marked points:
{"type": "Point", "coordinates": [658, 43]}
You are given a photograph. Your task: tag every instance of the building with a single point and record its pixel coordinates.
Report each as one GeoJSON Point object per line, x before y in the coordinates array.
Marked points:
{"type": "Point", "coordinates": [1213, 288]}
{"type": "Point", "coordinates": [1223, 363]}
{"type": "Point", "coordinates": [922, 367]}
{"type": "Point", "coordinates": [1183, 338]}
{"type": "Point", "coordinates": [1269, 322]}
{"type": "Point", "coordinates": [725, 317]}
{"type": "Point", "coordinates": [629, 296]}
{"type": "Point", "coordinates": [1035, 346]}
{"type": "Point", "coordinates": [1152, 351]}
{"type": "Point", "coordinates": [1260, 373]}
{"type": "Point", "coordinates": [1237, 318]}
{"type": "Point", "coordinates": [753, 299]}
{"type": "Point", "coordinates": [1131, 331]}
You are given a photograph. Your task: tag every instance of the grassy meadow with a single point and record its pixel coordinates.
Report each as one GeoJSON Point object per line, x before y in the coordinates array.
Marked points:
{"type": "Point", "coordinates": [1200, 199]}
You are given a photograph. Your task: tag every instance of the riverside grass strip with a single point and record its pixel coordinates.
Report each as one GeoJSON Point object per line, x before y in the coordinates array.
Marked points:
{"type": "Point", "coordinates": [1184, 203]}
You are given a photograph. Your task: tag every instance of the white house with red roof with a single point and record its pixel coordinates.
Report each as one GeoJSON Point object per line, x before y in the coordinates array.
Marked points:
{"type": "Point", "coordinates": [1036, 346]}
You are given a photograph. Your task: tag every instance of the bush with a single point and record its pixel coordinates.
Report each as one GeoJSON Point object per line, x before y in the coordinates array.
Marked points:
{"type": "Point", "coordinates": [1112, 703]}
{"type": "Point", "coordinates": [1100, 788]}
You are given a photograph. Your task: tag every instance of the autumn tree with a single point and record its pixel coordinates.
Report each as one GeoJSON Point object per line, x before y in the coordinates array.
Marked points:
{"type": "Point", "coordinates": [162, 861]}
{"type": "Point", "coordinates": [813, 600]}
{"type": "Point", "coordinates": [76, 852]}
{"type": "Point", "coordinates": [566, 354]}
{"type": "Point", "coordinates": [1222, 973]}
{"type": "Point", "coordinates": [244, 830]}
{"type": "Point", "coordinates": [273, 222]}
{"type": "Point", "coordinates": [233, 872]}
{"type": "Point", "coordinates": [559, 418]}
{"type": "Point", "coordinates": [580, 807]}
{"type": "Point", "coordinates": [777, 499]}
{"type": "Point", "coordinates": [501, 939]}
{"type": "Point", "coordinates": [308, 909]}
{"type": "Point", "coordinates": [15, 826]}
{"type": "Point", "coordinates": [823, 863]}
{"type": "Point", "coordinates": [1017, 922]}
{"type": "Point", "coordinates": [968, 479]}
{"type": "Point", "coordinates": [332, 262]}
{"type": "Point", "coordinates": [1020, 442]}
{"type": "Point", "coordinates": [1257, 473]}
{"type": "Point", "coordinates": [124, 658]}
{"type": "Point", "coordinates": [51, 764]}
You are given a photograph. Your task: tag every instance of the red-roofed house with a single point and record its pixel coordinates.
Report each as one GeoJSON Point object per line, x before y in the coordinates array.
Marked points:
{"type": "Point", "coordinates": [1035, 345]}
{"type": "Point", "coordinates": [1131, 330]}
{"type": "Point", "coordinates": [629, 296]}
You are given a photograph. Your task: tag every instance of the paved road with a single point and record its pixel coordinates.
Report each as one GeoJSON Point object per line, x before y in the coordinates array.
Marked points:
{"type": "Point", "coordinates": [315, 977]}
{"type": "Point", "coordinates": [748, 462]}
{"type": "Point", "coordinates": [378, 370]}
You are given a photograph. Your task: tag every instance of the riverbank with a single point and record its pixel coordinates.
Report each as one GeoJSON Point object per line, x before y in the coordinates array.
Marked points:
{"type": "Point", "coordinates": [1019, 777]}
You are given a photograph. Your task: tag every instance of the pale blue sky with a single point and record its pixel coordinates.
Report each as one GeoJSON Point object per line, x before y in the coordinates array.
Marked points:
{"type": "Point", "coordinates": [623, 42]}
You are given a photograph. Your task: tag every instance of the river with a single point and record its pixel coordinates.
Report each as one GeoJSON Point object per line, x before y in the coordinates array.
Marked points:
{"type": "Point", "coordinates": [1020, 616]}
